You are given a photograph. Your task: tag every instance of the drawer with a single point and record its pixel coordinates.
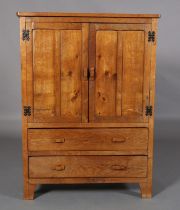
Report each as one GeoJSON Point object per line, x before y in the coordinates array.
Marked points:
{"type": "Point", "coordinates": [87, 166]}
{"type": "Point", "coordinates": [108, 139]}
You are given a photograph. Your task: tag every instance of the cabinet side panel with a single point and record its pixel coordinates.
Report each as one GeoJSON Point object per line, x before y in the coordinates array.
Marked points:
{"type": "Point", "coordinates": [152, 102]}
{"type": "Point", "coordinates": [24, 103]}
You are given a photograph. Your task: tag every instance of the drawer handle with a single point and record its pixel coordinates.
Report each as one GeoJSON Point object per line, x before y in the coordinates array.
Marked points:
{"type": "Point", "coordinates": [119, 140]}
{"type": "Point", "coordinates": [119, 167]}
{"type": "Point", "coordinates": [62, 140]}
{"type": "Point", "coordinates": [59, 168]}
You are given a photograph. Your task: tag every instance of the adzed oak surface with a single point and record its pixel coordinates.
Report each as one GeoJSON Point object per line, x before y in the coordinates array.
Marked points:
{"type": "Point", "coordinates": [88, 78]}
{"type": "Point", "coordinates": [63, 14]}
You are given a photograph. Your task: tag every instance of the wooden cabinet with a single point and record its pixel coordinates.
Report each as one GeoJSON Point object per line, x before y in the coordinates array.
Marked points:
{"type": "Point", "coordinates": [88, 86]}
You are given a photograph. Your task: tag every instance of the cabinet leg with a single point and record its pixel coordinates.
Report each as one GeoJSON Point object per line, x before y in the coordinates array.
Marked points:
{"type": "Point", "coordinates": [146, 189]}
{"type": "Point", "coordinates": [29, 190]}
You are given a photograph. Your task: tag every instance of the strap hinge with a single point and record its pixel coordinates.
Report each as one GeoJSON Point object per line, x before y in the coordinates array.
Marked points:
{"type": "Point", "coordinates": [151, 36]}
{"type": "Point", "coordinates": [27, 111]}
{"type": "Point", "coordinates": [25, 35]}
{"type": "Point", "coordinates": [148, 110]}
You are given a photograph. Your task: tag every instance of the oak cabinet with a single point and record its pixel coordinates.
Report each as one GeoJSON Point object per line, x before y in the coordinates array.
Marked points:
{"type": "Point", "coordinates": [88, 85]}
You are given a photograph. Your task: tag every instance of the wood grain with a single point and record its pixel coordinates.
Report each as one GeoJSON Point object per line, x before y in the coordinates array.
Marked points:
{"type": "Point", "coordinates": [88, 79]}
{"type": "Point", "coordinates": [87, 125]}
{"type": "Point", "coordinates": [86, 180]}
{"type": "Point", "coordinates": [24, 102]}
{"type": "Point", "coordinates": [86, 152]}
{"type": "Point", "coordinates": [45, 74]}
{"type": "Point", "coordinates": [148, 186]}
{"type": "Point", "coordinates": [119, 67]}
{"type": "Point", "coordinates": [57, 81]}
{"type": "Point", "coordinates": [87, 166]}
{"type": "Point", "coordinates": [105, 82]}
{"type": "Point", "coordinates": [119, 92]}
{"type": "Point", "coordinates": [28, 188]}
{"type": "Point", "coordinates": [84, 75]}
{"type": "Point", "coordinates": [126, 139]}
{"type": "Point", "coordinates": [133, 55]}
{"type": "Point", "coordinates": [127, 20]}
{"type": "Point", "coordinates": [54, 14]}
{"type": "Point", "coordinates": [71, 73]}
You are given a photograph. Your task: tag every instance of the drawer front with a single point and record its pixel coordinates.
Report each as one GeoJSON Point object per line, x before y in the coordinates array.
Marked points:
{"type": "Point", "coordinates": [87, 166]}
{"type": "Point", "coordinates": [88, 139]}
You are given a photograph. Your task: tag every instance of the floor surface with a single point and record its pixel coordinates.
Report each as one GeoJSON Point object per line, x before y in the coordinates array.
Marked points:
{"type": "Point", "coordinates": [166, 181]}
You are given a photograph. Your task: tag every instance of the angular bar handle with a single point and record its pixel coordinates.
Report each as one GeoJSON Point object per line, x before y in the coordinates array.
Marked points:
{"type": "Point", "coordinates": [61, 140]}
{"type": "Point", "coordinates": [119, 139]}
{"type": "Point", "coordinates": [59, 168]}
{"type": "Point", "coordinates": [119, 167]}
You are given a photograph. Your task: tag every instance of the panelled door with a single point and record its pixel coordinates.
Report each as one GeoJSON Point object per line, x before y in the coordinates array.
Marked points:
{"type": "Point", "coordinates": [119, 64]}
{"type": "Point", "coordinates": [57, 64]}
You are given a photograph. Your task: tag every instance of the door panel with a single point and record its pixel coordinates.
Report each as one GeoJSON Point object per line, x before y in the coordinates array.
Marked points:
{"type": "Point", "coordinates": [45, 74]}
{"type": "Point", "coordinates": [119, 91]}
{"type": "Point", "coordinates": [71, 73]}
{"type": "Point", "coordinates": [133, 73]}
{"type": "Point", "coordinates": [56, 86]}
{"type": "Point", "coordinates": [106, 52]}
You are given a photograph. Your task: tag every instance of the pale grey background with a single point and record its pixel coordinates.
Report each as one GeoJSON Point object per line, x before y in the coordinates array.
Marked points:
{"type": "Point", "coordinates": [167, 132]}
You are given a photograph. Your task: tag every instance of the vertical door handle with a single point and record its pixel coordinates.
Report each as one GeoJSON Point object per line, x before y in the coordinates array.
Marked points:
{"type": "Point", "coordinates": [85, 73]}
{"type": "Point", "coordinates": [92, 73]}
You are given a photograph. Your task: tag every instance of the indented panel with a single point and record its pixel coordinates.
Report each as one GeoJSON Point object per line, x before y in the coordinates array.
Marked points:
{"type": "Point", "coordinates": [133, 73]}
{"type": "Point", "coordinates": [106, 57]}
{"type": "Point", "coordinates": [70, 73]}
{"type": "Point", "coordinates": [44, 73]}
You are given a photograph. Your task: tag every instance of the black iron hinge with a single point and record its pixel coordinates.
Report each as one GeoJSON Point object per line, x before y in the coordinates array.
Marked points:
{"type": "Point", "coordinates": [25, 35]}
{"type": "Point", "coordinates": [151, 36]}
{"type": "Point", "coordinates": [27, 111]}
{"type": "Point", "coordinates": [148, 110]}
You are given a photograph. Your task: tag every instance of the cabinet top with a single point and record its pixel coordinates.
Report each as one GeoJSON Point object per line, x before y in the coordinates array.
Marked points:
{"type": "Point", "coordinates": [103, 15]}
